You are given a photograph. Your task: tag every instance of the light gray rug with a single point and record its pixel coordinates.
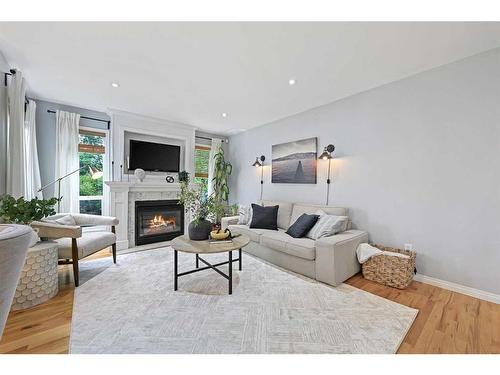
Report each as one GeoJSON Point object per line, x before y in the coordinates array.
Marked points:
{"type": "Point", "coordinates": [131, 308]}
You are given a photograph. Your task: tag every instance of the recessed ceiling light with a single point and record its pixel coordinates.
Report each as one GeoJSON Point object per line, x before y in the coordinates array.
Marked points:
{"type": "Point", "coordinates": [115, 85]}
{"type": "Point", "coordinates": [291, 81]}
{"type": "Point", "coordinates": [224, 114]}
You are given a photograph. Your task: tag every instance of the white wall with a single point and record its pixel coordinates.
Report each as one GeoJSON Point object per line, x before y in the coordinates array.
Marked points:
{"type": "Point", "coordinates": [417, 161]}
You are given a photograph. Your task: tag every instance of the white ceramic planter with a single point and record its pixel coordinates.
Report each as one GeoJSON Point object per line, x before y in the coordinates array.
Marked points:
{"type": "Point", "coordinates": [14, 243]}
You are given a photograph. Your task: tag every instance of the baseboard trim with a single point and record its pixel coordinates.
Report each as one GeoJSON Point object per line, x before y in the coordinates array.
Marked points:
{"type": "Point", "coordinates": [481, 294]}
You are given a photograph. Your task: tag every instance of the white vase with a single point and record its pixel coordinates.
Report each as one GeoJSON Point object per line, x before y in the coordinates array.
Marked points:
{"type": "Point", "coordinates": [139, 174]}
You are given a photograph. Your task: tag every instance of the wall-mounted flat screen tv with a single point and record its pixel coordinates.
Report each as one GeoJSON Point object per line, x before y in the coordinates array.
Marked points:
{"type": "Point", "coordinates": [154, 157]}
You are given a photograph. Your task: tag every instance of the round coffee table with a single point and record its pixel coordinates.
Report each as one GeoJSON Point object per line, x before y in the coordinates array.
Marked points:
{"type": "Point", "coordinates": [185, 245]}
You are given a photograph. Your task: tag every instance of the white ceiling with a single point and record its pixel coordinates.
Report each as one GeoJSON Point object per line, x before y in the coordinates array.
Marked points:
{"type": "Point", "coordinates": [193, 72]}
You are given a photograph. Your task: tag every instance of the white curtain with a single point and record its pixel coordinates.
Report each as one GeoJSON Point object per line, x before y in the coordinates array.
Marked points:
{"type": "Point", "coordinates": [216, 144]}
{"type": "Point", "coordinates": [16, 94]}
{"type": "Point", "coordinates": [32, 180]}
{"type": "Point", "coordinates": [67, 160]}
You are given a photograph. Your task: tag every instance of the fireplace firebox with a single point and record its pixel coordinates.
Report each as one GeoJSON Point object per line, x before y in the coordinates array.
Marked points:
{"type": "Point", "coordinates": [159, 220]}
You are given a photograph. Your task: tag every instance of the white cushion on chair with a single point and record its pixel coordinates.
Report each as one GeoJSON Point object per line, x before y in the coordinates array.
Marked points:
{"type": "Point", "coordinates": [66, 220]}
{"type": "Point", "coordinates": [88, 244]}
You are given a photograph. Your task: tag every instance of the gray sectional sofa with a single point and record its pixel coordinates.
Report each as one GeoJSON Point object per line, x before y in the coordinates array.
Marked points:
{"type": "Point", "coordinates": [331, 260]}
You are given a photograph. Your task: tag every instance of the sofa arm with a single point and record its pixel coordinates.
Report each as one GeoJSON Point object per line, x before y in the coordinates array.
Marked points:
{"type": "Point", "coordinates": [54, 230]}
{"type": "Point", "coordinates": [87, 220]}
{"type": "Point", "coordinates": [336, 259]}
{"type": "Point", "coordinates": [227, 221]}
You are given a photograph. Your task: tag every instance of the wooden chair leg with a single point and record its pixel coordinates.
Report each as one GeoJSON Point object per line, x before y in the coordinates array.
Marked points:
{"type": "Point", "coordinates": [74, 252]}
{"type": "Point", "coordinates": [113, 229]}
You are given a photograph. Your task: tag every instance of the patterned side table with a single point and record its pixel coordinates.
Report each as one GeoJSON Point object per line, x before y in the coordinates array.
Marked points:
{"type": "Point", "coordinates": [39, 280]}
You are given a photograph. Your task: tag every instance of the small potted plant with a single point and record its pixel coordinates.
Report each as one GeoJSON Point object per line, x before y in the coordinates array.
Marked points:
{"type": "Point", "coordinates": [183, 176]}
{"type": "Point", "coordinates": [198, 205]}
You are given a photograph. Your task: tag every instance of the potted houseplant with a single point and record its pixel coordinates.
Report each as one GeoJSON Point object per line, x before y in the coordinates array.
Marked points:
{"type": "Point", "coordinates": [220, 195]}
{"type": "Point", "coordinates": [22, 211]}
{"type": "Point", "coordinates": [199, 206]}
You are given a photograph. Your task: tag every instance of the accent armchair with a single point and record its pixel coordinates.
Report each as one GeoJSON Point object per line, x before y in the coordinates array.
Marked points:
{"type": "Point", "coordinates": [75, 244]}
{"type": "Point", "coordinates": [14, 242]}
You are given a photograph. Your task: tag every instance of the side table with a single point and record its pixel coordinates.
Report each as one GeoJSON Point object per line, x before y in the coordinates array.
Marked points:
{"type": "Point", "coordinates": [39, 280]}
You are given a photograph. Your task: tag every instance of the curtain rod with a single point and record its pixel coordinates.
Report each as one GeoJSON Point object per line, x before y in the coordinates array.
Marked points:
{"type": "Point", "coordinates": [87, 118]}
{"type": "Point", "coordinates": [5, 78]}
{"type": "Point", "coordinates": [13, 72]}
{"type": "Point", "coordinates": [209, 139]}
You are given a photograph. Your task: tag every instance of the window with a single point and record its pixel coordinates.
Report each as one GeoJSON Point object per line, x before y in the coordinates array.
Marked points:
{"type": "Point", "coordinates": [91, 149]}
{"type": "Point", "coordinates": [201, 157]}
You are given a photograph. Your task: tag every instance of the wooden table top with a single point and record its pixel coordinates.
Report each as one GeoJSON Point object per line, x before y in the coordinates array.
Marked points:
{"type": "Point", "coordinates": [184, 244]}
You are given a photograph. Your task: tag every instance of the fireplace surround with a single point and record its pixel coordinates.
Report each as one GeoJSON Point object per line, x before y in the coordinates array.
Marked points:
{"type": "Point", "coordinates": [158, 220]}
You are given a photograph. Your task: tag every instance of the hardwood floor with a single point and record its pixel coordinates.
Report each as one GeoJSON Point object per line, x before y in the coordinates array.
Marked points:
{"type": "Point", "coordinates": [447, 322]}
{"type": "Point", "coordinates": [45, 328]}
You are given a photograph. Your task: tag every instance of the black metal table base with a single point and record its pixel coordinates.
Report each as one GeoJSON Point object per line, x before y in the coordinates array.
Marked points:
{"type": "Point", "coordinates": [229, 262]}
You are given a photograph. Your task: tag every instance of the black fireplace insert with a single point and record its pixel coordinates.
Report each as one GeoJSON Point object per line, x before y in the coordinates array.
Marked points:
{"type": "Point", "coordinates": [159, 220]}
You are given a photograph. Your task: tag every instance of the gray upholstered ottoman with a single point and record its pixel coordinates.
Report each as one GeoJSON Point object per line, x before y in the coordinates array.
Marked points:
{"type": "Point", "coordinates": [39, 280]}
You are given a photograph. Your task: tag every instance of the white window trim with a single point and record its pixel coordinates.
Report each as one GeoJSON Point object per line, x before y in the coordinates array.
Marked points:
{"type": "Point", "coordinates": [91, 197]}
{"type": "Point", "coordinates": [200, 145]}
{"type": "Point", "coordinates": [106, 171]}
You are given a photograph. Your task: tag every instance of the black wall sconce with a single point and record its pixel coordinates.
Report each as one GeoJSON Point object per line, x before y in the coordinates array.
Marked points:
{"type": "Point", "coordinates": [259, 162]}
{"type": "Point", "coordinates": [327, 155]}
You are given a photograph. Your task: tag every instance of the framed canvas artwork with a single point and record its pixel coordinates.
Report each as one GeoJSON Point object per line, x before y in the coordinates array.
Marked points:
{"type": "Point", "coordinates": [295, 162]}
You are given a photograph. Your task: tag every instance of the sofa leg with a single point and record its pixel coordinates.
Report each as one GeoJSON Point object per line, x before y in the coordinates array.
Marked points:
{"type": "Point", "coordinates": [74, 251]}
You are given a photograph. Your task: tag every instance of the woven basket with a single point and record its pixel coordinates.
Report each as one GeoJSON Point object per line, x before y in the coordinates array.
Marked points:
{"type": "Point", "coordinates": [390, 270]}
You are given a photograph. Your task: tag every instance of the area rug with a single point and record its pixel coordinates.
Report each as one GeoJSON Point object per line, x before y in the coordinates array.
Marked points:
{"type": "Point", "coordinates": [131, 307]}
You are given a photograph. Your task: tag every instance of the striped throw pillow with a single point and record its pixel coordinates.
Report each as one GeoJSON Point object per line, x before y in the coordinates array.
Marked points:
{"type": "Point", "coordinates": [245, 214]}
{"type": "Point", "coordinates": [327, 225]}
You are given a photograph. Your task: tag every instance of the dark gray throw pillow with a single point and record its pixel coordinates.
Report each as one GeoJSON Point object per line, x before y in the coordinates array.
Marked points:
{"type": "Point", "coordinates": [264, 217]}
{"type": "Point", "coordinates": [302, 225]}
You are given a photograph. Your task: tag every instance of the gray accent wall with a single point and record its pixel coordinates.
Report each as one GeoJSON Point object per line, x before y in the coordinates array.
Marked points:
{"type": "Point", "coordinates": [416, 161]}
{"type": "Point", "coordinates": [46, 136]}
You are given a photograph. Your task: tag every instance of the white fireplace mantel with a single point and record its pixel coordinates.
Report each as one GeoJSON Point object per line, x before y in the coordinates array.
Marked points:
{"type": "Point", "coordinates": [142, 186]}
{"type": "Point", "coordinates": [123, 194]}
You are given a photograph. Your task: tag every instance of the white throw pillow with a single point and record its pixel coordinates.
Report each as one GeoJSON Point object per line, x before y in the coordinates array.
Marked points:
{"type": "Point", "coordinates": [245, 214]}
{"type": "Point", "coordinates": [66, 220]}
{"type": "Point", "coordinates": [327, 225]}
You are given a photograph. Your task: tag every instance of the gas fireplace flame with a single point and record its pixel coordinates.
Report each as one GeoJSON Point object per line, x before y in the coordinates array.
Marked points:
{"type": "Point", "coordinates": [160, 221]}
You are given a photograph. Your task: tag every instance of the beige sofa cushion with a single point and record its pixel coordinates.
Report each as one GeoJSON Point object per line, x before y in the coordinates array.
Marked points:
{"type": "Point", "coordinates": [280, 241]}
{"type": "Point", "coordinates": [89, 243]}
{"type": "Point", "coordinates": [310, 209]}
{"type": "Point", "coordinates": [284, 212]}
{"type": "Point", "coordinates": [252, 233]}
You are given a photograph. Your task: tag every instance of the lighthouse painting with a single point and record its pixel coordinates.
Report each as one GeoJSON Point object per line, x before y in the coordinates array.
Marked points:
{"type": "Point", "coordinates": [295, 162]}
